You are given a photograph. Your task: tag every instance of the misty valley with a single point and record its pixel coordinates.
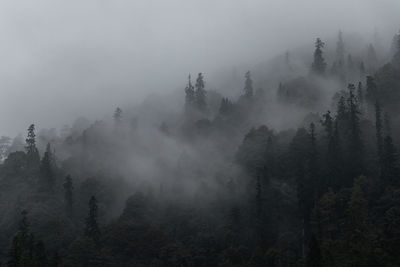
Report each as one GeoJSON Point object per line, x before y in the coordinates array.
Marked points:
{"type": "Point", "coordinates": [299, 167]}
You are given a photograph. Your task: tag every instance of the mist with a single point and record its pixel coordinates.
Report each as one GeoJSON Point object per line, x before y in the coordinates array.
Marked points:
{"type": "Point", "coordinates": [199, 133]}
{"type": "Point", "coordinates": [61, 60]}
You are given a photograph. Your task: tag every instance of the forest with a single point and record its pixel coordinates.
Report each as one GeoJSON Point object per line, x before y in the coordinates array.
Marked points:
{"type": "Point", "coordinates": [303, 172]}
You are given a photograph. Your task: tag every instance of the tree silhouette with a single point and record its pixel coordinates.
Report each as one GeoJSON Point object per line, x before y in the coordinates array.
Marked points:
{"type": "Point", "coordinates": [318, 66]}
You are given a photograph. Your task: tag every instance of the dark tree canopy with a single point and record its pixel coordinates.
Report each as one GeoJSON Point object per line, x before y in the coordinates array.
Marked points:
{"type": "Point", "coordinates": [319, 65]}
{"type": "Point", "coordinates": [248, 85]}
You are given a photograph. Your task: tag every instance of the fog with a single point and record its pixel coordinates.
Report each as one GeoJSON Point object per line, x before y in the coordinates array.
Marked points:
{"type": "Point", "coordinates": [64, 59]}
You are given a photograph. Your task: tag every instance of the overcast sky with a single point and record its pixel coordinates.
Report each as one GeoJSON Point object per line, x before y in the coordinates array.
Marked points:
{"type": "Point", "coordinates": [62, 59]}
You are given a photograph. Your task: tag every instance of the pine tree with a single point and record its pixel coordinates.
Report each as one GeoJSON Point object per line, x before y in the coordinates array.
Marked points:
{"type": "Point", "coordinates": [358, 232]}
{"type": "Point", "coordinates": [190, 98]}
{"type": "Point", "coordinates": [200, 93]}
{"type": "Point", "coordinates": [47, 168]}
{"type": "Point", "coordinates": [248, 86]}
{"type": "Point", "coordinates": [31, 150]}
{"type": "Point", "coordinates": [318, 65]}
{"type": "Point", "coordinates": [332, 154]}
{"type": "Point", "coordinates": [355, 141]}
{"type": "Point", "coordinates": [360, 95]}
{"type": "Point", "coordinates": [68, 195]}
{"type": "Point", "coordinates": [341, 110]}
{"type": "Point", "coordinates": [92, 229]}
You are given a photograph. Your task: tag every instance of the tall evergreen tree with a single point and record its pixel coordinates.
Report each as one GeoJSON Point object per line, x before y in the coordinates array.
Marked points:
{"type": "Point", "coordinates": [68, 195]}
{"type": "Point", "coordinates": [318, 66]}
{"type": "Point", "coordinates": [248, 85]}
{"type": "Point", "coordinates": [200, 93]}
{"type": "Point", "coordinates": [360, 95]}
{"type": "Point", "coordinates": [190, 98]}
{"type": "Point", "coordinates": [92, 229]}
{"type": "Point", "coordinates": [342, 113]}
{"type": "Point", "coordinates": [31, 150]}
{"type": "Point", "coordinates": [333, 150]}
{"type": "Point", "coordinates": [47, 168]}
{"type": "Point", "coordinates": [355, 140]}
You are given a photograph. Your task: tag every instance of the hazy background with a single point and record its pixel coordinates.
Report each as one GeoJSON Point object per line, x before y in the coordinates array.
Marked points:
{"type": "Point", "coordinates": [63, 59]}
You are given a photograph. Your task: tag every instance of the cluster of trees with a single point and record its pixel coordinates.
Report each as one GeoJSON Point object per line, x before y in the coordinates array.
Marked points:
{"type": "Point", "coordinates": [324, 194]}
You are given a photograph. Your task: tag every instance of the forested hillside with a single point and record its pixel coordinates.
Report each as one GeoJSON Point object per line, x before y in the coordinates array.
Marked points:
{"type": "Point", "coordinates": [302, 173]}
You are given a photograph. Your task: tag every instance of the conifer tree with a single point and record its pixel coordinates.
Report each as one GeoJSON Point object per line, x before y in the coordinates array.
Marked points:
{"type": "Point", "coordinates": [68, 195]}
{"type": "Point", "coordinates": [92, 229]}
{"type": "Point", "coordinates": [341, 110]}
{"type": "Point", "coordinates": [200, 93]}
{"type": "Point", "coordinates": [248, 85]}
{"type": "Point", "coordinates": [318, 65]}
{"type": "Point", "coordinates": [47, 168]}
{"type": "Point", "coordinates": [332, 154]}
{"type": "Point", "coordinates": [355, 141]}
{"type": "Point", "coordinates": [360, 95]}
{"type": "Point", "coordinates": [190, 98]}
{"type": "Point", "coordinates": [31, 150]}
